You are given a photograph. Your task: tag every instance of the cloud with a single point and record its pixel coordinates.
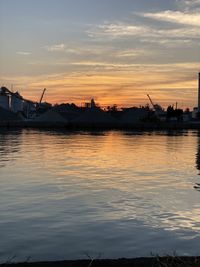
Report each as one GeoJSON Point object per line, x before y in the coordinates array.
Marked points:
{"type": "Point", "coordinates": [103, 65]}
{"type": "Point", "coordinates": [163, 36]}
{"type": "Point", "coordinates": [123, 29]}
{"type": "Point", "coordinates": [192, 2]}
{"type": "Point", "coordinates": [23, 53]}
{"type": "Point", "coordinates": [117, 30]}
{"type": "Point", "coordinates": [189, 3]}
{"type": "Point", "coordinates": [178, 28]}
{"type": "Point", "coordinates": [55, 47]}
{"type": "Point", "coordinates": [79, 50]}
{"type": "Point", "coordinates": [185, 18]}
{"type": "Point", "coordinates": [187, 66]}
{"type": "Point", "coordinates": [132, 53]}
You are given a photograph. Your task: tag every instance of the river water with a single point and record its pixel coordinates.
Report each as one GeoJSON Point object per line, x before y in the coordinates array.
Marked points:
{"type": "Point", "coordinates": [70, 195]}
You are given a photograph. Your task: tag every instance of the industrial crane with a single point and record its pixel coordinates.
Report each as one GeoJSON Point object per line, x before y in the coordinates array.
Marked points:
{"type": "Point", "coordinates": [157, 108]}
{"type": "Point", "coordinates": [42, 96]}
{"type": "Point", "coordinates": [151, 101]}
{"type": "Point", "coordinates": [38, 106]}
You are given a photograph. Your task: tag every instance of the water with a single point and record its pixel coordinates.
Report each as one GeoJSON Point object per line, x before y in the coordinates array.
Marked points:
{"type": "Point", "coordinates": [70, 195]}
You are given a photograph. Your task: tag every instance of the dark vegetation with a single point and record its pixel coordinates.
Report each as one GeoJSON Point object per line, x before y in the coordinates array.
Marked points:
{"type": "Point", "coordinates": [167, 261]}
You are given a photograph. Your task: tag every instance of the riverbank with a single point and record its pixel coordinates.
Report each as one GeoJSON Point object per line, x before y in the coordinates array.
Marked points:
{"type": "Point", "coordinates": [103, 126]}
{"type": "Point", "coordinates": [168, 261]}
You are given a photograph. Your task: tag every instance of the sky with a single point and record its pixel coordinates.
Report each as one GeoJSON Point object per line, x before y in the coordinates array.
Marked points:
{"type": "Point", "coordinates": [114, 51]}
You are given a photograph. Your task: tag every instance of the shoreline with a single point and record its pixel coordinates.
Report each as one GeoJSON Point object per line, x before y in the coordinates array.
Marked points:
{"type": "Point", "coordinates": [143, 126]}
{"type": "Point", "coordinates": [126, 262]}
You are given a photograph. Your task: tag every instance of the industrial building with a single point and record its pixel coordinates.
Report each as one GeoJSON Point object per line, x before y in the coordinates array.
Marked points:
{"type": "Point", "coordinates": [15, 102]}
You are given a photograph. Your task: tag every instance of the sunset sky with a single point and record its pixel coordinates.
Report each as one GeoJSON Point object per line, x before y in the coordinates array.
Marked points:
{"type": "Point", "coordinates": [116, 51]}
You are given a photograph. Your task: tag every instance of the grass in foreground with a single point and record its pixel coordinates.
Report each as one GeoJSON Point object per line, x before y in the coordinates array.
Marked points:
{"type": "Point", "coordinates": [167, 261]}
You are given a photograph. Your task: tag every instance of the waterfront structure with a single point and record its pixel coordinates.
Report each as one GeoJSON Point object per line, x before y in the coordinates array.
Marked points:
{"type": "Point", "coordinates": [4, 98]}
{"type": "Point", "coordinates": [16, 104]}
{"type": "Point", "coordinates": [133, 115]}
{"type": "Point", "coordinates": [68, 111]}
{"type": "Point", "coordinates": [29, 108]}
{"type": "Point", "coordinates": [49, 118]}
{"type": "Point", "coordinates": [94, 116]}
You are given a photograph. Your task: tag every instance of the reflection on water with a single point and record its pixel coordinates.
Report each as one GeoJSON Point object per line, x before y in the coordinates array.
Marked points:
{"type": "Point", "coordinates": [9, 144]}
{"type": "Point", "coordinates": [122, 194]}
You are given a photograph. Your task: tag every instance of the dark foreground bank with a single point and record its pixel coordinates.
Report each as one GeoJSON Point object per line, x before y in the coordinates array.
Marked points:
{"type": "Point", "coordinates": [102, 126]}
{"type": "Point", "coordinates": [137, 262]}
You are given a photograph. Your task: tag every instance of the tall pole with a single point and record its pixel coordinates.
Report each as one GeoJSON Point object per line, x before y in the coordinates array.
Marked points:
{"type": "Point", "coordinates": [199, 93]}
